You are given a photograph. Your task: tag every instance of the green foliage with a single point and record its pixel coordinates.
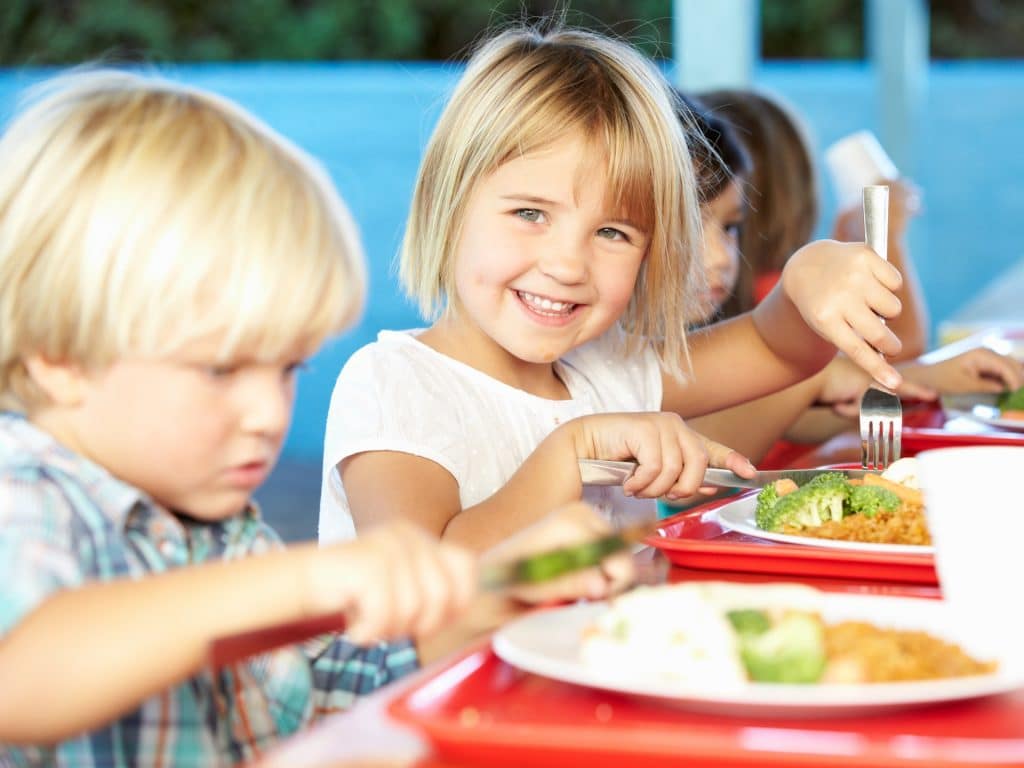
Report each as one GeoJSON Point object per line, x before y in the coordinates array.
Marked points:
{"type": "Point", "coordinates": [38, 32]}
{"type": "Point", "coordinates": [69, 31]}
{"type": "Point", "coordinates": [812, 29]}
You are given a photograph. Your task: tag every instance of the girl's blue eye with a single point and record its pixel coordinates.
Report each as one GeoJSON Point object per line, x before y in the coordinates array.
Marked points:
{"type": "Point", "coordinates": [733, 229]}
{"type": "Point", "coordinates": [529, 214]}
{"type": "Point", "coordinates": [610, 233]}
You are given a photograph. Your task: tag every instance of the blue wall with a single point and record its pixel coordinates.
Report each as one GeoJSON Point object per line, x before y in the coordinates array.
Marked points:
{"type": "Point", "coordinates": [369, 122]}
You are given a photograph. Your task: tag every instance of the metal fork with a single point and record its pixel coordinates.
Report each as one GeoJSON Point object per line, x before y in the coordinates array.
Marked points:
{"type": "Point", "coordinates": [881, 415]}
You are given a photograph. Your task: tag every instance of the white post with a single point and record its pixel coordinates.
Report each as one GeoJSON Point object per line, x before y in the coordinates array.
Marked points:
{"type": "Point", "coordinates": [716, 43]}
{"type": "Point", "coordinates": [897, 44]}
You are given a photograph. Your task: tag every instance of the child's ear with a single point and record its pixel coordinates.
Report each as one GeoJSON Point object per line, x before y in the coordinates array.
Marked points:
{"type": "Point", "coordinates": [63, 383]}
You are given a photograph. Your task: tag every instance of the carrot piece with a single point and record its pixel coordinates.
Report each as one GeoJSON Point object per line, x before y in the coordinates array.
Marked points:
{"type": "Point", "coordinates": [909, 495]}
{"type": "Point", "coordinates": [785, 486]}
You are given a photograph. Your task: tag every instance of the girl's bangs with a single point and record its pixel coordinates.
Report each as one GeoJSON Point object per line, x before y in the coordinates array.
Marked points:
{"type": "Point", "coordinates": [631, 175]}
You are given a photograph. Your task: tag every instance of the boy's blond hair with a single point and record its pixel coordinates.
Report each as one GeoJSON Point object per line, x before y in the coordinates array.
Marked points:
{"type": "Point", "coordinates": [138, 215]}
{"type": "Point", "coordinates": [524, 90]}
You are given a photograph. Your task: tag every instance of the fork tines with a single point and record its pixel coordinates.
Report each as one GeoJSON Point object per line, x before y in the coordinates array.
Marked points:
{"type": "Point", "coordinates": [881, 428]}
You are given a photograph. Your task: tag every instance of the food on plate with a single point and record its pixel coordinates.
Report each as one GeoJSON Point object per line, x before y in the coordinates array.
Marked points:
{"type": "Point", "coordinates": [1011, 404]}
{"type": "Point", "coordinates": [672, 633]}
{"type": "Point", "coordinates": [720, 635]}
{"type": "Point", "coordinates": [884, 509]}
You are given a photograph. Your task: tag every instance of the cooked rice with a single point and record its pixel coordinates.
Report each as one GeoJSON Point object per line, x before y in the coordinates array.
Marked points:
{"type": "Point", "coordinates": [906, 525]}
{"type": "Point", "coordinates": [859, 652]}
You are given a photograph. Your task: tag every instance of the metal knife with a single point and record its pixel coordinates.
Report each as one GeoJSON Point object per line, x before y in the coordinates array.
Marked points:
{"type": "Point", "coordinates": [553, 563]}
{"type": "Point", "coordinates": [599, 472]}
{"type": "Point", "coordinates": [531, 569]}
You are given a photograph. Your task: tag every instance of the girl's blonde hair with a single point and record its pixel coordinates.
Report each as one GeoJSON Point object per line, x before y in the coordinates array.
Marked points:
{"type": "Point", "coordinates": [524, 90]}
{"type": "Point", "coordinates": [782, 190]}
{"type": "Point", "coordinates": [138, 215]}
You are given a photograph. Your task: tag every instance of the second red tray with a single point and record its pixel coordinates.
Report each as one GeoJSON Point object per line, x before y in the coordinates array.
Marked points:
{"type": "Point", "coordinates": [694, 539]}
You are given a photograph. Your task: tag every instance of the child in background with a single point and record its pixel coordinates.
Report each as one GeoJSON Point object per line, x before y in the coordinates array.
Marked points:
{"type": "Point", "coordinates": [555, 226]}
{"type": "Point", "coordinates": [166, 264]}
{"type": "Point", "coordinates": [783, 205]}
{"type": "Point", "coordinates": [723, 170]}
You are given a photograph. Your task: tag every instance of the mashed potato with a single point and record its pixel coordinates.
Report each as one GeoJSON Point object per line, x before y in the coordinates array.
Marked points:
{"type": "Point", "coordinates": [666, 633]}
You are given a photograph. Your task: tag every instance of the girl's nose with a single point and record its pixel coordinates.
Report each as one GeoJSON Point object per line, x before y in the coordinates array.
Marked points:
{"type": "Point", "coordinates": [718, 254]}
{"type": "Point", "coordinates": [565, 261]}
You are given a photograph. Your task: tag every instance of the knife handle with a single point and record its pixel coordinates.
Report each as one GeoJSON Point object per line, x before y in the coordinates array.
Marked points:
{"type": "Point", "coordinates": [602, 472]}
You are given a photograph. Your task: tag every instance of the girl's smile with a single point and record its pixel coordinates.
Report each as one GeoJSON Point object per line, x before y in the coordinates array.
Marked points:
{"type": "Point", "coordinates": [547, 310]}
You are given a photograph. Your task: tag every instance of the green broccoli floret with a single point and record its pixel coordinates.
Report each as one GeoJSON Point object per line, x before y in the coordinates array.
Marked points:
{"type": "Point", "coordinates": [766, 501]}
{"type": "Point", "coordinates": [791, 651]}
{"type": "Point", "coordinates": [1012, 401]}
{"type": "Point", "coordinates": [869, 500]}
{"type": "Point", "coordinates": [830, 480]}
{"type": "Point", "coordinates": [810, 505]}
{"type": "Point", "coordinates": [749, 621]}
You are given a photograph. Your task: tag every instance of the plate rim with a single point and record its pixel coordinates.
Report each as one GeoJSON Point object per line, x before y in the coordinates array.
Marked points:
{"type": "Point", "coordinates": [962, 405]}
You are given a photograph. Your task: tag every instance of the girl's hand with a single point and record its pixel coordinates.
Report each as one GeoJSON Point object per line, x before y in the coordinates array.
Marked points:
{"type": "Point", "coordinates": [845, 383]}
{"type": "Point", "coordinates": [976, 370]}
{"type": "Point", "coordinates": [570, 525]}
{"type": "Point", "coordinates": [392, 581]}
{"type": "Point", "coordinates": [841, 290]}
{"type": "Point", "coordinates": [671, 457]}
{"type": "Point", "coordinates": [904, 204]}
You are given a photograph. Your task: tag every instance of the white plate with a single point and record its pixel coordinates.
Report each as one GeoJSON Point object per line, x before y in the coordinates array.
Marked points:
{"type": "Point", "coordinates": [739, 516]}
{"type": "Point", "coordinates": [548, 643]}
{"type": "Point", "coordinates": [981, 408]}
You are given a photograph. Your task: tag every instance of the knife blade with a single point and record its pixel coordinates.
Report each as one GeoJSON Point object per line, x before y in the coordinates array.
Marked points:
{"type": "Point", "coordinates": [599, 472]}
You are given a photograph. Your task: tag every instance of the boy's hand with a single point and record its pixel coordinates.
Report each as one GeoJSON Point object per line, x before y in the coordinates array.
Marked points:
{"type": "Point", "coordinates": [394, 580]}
{"type": "Point", "coordinates": [570, 525]}
{"type": "Point", "coordinates": [841, 290]}
{"type": "Point", "coordinates": [671, 457]}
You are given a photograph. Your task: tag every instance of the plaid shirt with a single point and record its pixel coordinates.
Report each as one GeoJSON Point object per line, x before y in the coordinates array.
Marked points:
{"type": "Point", "coordinates": [65, 521]}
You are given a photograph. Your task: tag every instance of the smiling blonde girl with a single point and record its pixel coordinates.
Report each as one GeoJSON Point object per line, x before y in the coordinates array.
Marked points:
{"type": "Point", "coordinates": [554, 240]}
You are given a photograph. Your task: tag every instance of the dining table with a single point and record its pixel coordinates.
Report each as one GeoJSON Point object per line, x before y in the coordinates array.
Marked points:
{"type": "Point", "coordinates": [472, 709]}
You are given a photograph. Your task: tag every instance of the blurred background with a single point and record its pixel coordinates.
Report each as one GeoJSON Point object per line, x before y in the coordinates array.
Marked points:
{"type": "Point", "coordinates": [359, 84]}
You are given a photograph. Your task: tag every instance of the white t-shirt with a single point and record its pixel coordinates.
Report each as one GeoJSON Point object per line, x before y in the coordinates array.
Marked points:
{"type": "Point", "coordinates": [398, 394]}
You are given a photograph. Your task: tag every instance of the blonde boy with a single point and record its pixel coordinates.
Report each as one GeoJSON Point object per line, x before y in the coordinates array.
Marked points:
{"type": "Point", "coordinates": [166, 263]}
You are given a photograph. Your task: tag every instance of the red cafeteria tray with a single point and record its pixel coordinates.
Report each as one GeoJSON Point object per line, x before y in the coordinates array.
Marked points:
{"type": "Point", "coordinates": [694, 539]}
{"type": "Point", "coordinates": [927, 426]}
{"type": "Point", "coordinates": [479, 711]}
